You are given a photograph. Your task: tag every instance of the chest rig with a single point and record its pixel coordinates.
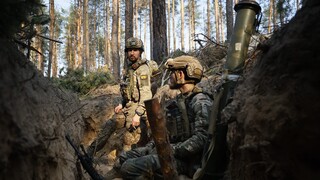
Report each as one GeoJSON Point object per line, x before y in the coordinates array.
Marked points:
{"type": "Point", "coordinates": [129, 86]}
{"type": "Point", "coordinates": [180, 117]}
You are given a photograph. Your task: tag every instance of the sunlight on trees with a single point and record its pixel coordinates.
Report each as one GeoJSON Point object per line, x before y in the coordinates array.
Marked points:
{"type": "Point", "coordinates": [93, 33]}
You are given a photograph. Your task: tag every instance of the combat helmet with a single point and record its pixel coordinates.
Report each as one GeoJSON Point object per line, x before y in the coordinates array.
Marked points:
{"type": "Point", "coordinates": [134, 43]}
{"type": "Point", "coordinates": [192, 66]}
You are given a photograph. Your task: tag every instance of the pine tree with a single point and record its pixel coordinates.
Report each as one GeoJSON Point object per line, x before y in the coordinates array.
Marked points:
{"type": "Point", "coordinates": [160, 50]}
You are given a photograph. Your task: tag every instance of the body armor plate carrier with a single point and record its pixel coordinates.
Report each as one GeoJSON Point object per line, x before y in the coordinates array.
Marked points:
{"type": "Point", "coordinates": [178, 124]}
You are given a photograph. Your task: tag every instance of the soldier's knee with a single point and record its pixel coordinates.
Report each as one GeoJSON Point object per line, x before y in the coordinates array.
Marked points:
{"type": "Point", "coordinates": [130, 138]}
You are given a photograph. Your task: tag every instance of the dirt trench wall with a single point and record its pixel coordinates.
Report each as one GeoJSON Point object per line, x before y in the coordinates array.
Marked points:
{"type": "Point", "coordinates": [276, 134]}
{"type": "Point", "coordinates": [35, 116]}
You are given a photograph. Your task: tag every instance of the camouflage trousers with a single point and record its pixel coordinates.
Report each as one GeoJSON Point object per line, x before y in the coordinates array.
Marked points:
{"type": "Point", "coordinates": [136, 136]}
{"type": "Point", "coordinates": [133, 137]}
{"type": "Point", "coordinates": [143, 163]}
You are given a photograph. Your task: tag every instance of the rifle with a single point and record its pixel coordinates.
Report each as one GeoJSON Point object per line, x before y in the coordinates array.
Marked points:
{"type": "Point", "coordinates": [85, 160]}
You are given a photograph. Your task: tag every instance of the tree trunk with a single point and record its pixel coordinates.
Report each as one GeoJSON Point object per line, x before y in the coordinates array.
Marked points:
{"type": "Point", "coordinates": [51, 26]}
{"type": "Point", "coordinates": [229, 14]}
{"type": "Point", "coordinates": [193, 24]}
{"type": "Point", "coordinates": [221, 23]}
{"type": "Point", "coordinates": [129, 19]}
{"type": "Point", "coordinates": [72, 44]}
{"type": "Point", "coordinates": [270, 15]}
{"type": "Point", "coordinates": [274, 16]}
{"type": "Point", "coordinates": [106, 38]}
{"type": "Point", "coordinates": [217, 19]}
{"type": "Point", "coordinates": [159, 30]}
{"type": "Point", "coordinates": [69, 49]}
{"type": "Point", "coordinates": [39, 47]}
{"type": "Point", "coordinates": [75, 39]}
{"type": "Point", "coordinates": [174, 25]}
{"type": "Point", "coordinates": [151, 29]}
{"type": "Point", "coordinates": [79, 44]}
{"type": "Point", "coordinates": [128, 25]}
{"type": "Point", "coordinates": [182, 24]}
{"type": "Point", "coordinates": [145, 32]}
{"type": "Point", "coordinates": [85, 61]}
{"type": "Point", "coordinates": [209, 19]}
{"type": "Point", "coordinates": [92, 53]}
{"type": "Point", "coordinates": [190, 23]}
{"type": "Point", "coordinates": [136, 15]}
{"type": "Point", "coordinates": [54, 60]}
{"type": "Point", "coordinates": [114, 40]}
{"type": "Point", "coordinates": [169, 24]}
{"type": "Point", "coordinates": [119, 38]}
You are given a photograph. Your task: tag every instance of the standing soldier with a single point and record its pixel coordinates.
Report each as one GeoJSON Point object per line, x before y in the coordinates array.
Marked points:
{"type": "Point", "coordinates": [187, 118]}
{"type": "Point", "coordinates": [135, 88]}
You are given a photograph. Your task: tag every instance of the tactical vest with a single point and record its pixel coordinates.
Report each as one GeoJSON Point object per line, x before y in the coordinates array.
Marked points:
{"type": "Point", "coordinates": [180, 118]}
{"type": "Point", "coordinates": [129, 82]}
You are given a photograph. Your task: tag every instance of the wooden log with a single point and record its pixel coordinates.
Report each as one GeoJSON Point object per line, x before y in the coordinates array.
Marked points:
{"type": "Point", "coordinates": [156, 117]}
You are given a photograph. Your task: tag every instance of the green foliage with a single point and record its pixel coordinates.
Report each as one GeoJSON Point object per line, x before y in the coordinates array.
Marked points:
{"type": "Point", "coordinates": [77, 82]}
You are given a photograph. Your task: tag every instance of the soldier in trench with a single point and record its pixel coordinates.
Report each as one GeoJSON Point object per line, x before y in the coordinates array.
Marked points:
{"type": "Point", "coordinates": [187, 118]}
{"type": "Point", "coordinates": [135, 88]}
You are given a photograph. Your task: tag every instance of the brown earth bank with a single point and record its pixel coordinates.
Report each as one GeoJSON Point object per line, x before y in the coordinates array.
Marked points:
{"type": "Point", "coordinates": [276, 132]}
{"type": "Point", "coordinates": [35, 117]}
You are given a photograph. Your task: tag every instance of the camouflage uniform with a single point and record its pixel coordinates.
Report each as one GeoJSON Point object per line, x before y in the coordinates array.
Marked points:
{"type": "Point", "coordinates": [144, 162]}
{"type": "Point", "coordinates": [187, 123]}
{"type": "Point", "coordinates": [135, 89]}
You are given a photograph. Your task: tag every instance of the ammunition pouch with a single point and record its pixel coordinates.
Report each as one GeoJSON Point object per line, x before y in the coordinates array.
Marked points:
{"type": "Point", "coordinates": [128, 87]}
{"type": "Point", "coordinates": [125, 91]}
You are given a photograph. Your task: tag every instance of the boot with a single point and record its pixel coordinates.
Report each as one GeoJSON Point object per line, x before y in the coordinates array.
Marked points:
{"type": "Point", "coordinates": [112, 174]}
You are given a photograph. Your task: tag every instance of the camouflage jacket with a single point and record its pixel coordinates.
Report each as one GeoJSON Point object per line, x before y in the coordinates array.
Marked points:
{"type": "Point", "coordinates": [136, 87]}
{"type": "Point", "coordinates": [197, 109]}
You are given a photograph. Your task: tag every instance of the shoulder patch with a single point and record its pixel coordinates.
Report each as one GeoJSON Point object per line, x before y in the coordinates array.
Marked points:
{"type": "Point", "coordinates": [143, 77]}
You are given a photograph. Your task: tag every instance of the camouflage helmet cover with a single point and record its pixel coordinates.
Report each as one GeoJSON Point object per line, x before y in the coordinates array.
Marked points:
{"type": "Point", "coordinates": [192, 66]}
{"type": "Point", "coordinates": [134, 43]}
